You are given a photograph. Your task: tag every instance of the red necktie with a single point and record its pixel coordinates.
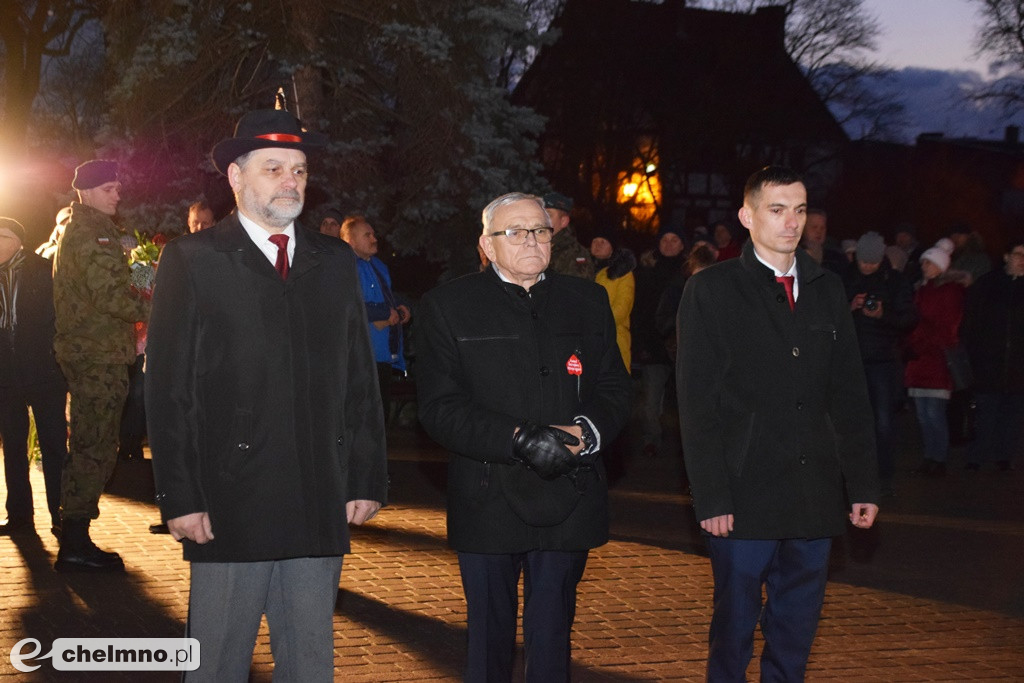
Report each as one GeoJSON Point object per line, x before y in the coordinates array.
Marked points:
{"type": "Point", "coordinates": [787, 282]}
{"type": "Point", "coordinates": [282, 255]}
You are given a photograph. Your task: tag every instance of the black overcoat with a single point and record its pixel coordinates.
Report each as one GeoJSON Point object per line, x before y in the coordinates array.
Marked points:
{"type": "Point", "coordinates": [26, 353]}
{"type": "Point", "coordinates": [993, 332]}
{"type": "Point", "coordinates": [773, 403]}
{"type": "Point", "coordinates": [489, 355]}
{"type": "Point", "coordinates": [261, 395]}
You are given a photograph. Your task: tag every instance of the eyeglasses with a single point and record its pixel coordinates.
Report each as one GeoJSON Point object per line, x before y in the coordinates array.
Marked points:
{"type": "Point", "coordinates": [517, 236]}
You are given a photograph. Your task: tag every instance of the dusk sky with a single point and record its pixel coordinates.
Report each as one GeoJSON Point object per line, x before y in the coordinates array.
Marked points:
{"type": "Point", "coordinates": [936, 34]}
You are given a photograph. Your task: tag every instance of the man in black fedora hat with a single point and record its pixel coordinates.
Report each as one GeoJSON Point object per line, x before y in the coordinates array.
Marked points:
{"type": "Point", "coordinates": [265, 420]}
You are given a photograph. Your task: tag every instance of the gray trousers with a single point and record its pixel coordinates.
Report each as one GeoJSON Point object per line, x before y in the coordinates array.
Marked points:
{"type": "Point", "coordinates": [228, 599]}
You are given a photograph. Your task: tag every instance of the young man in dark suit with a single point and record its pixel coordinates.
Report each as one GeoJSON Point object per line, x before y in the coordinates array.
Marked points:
{"type": "Point", "coordinates": [777, 431]}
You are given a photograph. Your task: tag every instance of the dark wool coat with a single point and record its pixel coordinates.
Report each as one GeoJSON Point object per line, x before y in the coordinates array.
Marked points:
{"type": "Point", "coordinates": [26, 355]}
{"type": "Point", "coordinates": [261, 395]}
{"type": "Point", "coordinates": [773, 404]}
{"type": "Point", "coordinates": [880, 338]}
{"type": "Point", "coordinates": [491, 355]}
{"type": "Point", "coordinates": [649, 342]}
{"type": "Point", "coordinates": [993, 331]}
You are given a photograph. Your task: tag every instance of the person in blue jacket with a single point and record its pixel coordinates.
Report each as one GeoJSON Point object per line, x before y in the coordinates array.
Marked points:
{"type": "Point", "coordinates": [385, 314]}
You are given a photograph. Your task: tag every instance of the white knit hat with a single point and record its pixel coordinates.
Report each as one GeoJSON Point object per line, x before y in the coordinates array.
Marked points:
{"type": "Point", "coordinates": [937, 256]}
{"type": "Point", "coordinates": [946, 245]}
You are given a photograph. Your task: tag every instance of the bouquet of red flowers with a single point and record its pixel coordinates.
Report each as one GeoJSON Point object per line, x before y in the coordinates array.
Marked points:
{"type": "Point", "coordinates": [142, 260]}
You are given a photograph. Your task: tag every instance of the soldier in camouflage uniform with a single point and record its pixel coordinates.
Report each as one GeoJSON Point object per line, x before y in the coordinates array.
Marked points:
{"type": "Point", "coordinates": [568, 256]}
{"type": "Point", "coordinates": [95, 342]}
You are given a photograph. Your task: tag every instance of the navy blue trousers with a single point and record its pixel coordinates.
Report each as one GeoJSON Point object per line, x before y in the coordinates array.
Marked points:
{"type": "Point", "coordinates": [793, 573]}
{"type": "Point", "coordinates": [490, 583]}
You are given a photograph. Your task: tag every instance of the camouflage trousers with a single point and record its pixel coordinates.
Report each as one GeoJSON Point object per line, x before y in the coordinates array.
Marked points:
{"type": "Point", "coordinates": [98, 392]}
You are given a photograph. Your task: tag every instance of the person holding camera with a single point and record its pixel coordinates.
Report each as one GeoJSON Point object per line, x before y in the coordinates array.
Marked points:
{"type": "Point", "coordinates": [882, 303]}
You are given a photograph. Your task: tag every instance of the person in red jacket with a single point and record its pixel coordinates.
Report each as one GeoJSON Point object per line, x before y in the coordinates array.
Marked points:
{"type": "Point", "coordinates": [940, 301]}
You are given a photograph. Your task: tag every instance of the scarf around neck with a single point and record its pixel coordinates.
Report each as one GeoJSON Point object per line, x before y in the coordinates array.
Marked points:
{"type": "Point", "coordinates": [9, 290]}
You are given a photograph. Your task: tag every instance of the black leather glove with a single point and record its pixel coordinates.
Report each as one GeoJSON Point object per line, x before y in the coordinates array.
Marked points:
{"type": "Point", "coordinates": [543, 450]}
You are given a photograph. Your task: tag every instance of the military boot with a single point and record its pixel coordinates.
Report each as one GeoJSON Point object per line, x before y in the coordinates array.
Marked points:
{"type": "Point", "coordinates": [79, 554]}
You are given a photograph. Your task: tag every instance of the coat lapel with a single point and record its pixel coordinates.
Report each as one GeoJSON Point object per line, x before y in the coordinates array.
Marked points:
{"type": "Point", "coordinates": [307, 254]}
{"type": "Point", "coordinates": [231, 237]}
{"type": "Point", "coordinates": [769, 291]}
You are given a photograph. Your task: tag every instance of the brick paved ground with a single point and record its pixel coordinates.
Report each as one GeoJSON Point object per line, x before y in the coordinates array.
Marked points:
{"type": "Point", "coordinates": [934, 594]}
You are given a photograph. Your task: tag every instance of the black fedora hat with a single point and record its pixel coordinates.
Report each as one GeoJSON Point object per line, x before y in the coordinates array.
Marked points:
{"type": "Point", "coordinates": [264, 128]}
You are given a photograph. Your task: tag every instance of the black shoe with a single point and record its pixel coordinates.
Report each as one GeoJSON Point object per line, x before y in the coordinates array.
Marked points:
{"type": "Point", "coordinates": [14, 525]}
{"type": "Point", "coordinates": [160, 528]}
{"type": "Point", "coordinates": [79, 554]}
{"type": "Point", "coordinates": [90, 560]}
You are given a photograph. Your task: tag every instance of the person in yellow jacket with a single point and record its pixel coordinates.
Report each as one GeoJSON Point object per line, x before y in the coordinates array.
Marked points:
{"type": "Point", "coordinates": [615, 273]}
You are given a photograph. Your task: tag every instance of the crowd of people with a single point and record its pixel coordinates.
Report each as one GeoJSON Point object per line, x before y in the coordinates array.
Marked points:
{"type": "Point", "coordinates": [917, 313]}
{"type": "Point", "coordinates": [265, 354]}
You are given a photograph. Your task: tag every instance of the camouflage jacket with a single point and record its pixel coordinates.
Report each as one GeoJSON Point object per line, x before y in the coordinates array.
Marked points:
{"type": "Point", "coordinates": [95, 305]}
{"type": "Point", "coordinates": [569, 257]}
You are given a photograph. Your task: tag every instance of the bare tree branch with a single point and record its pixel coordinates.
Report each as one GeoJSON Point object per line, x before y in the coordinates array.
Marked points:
{"type": "Point", "coordinates": [1001, 37]}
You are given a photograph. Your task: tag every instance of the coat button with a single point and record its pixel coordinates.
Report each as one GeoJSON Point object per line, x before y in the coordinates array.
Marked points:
{"type": "Point", "coordinates": [341, 441]}
{"type": "Point", "coordinates": [780, 298]}
{"type": "Point", "coordinates": [799, 405]}
{"type": "Point", "coordinates": [803, 460]}
{"type": "Point", "coordinates": [160, 496]}
{"type": "Point", "coordinates": [545, 371]}
{"type": "Point", "coordinates": [243, 446]}
{"type": "Point", "coordinates": [534, 315]}
{"type": "Point", "coordinates": [796, 352]}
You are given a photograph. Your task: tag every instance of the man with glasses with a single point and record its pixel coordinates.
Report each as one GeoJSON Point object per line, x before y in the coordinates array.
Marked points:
{"type": "Point", "coordinates": [520, 378]}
